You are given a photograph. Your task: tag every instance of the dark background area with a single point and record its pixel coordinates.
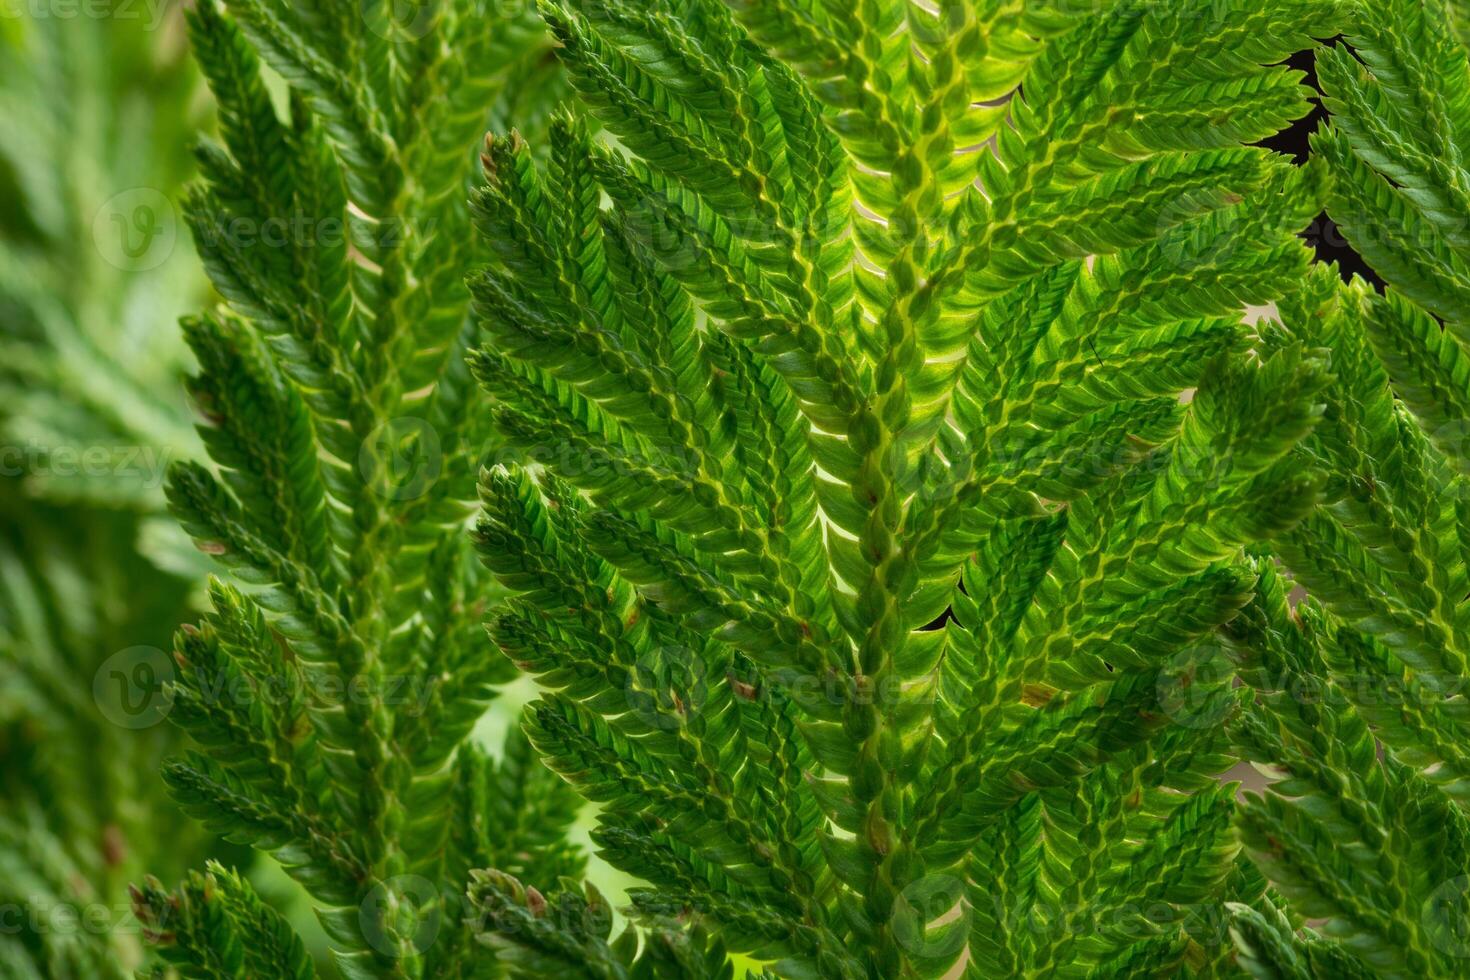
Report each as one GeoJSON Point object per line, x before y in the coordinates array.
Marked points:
{"type": "Point", "coordinates": [1323, 234]}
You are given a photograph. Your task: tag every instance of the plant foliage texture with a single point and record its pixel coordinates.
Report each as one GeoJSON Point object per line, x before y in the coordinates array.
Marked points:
{"type": "Point", "coordinates": [333, 686]}
{"type": "Point", "coordinates": [853, 316]}
{"type": "Point", "coordinates": [1362, 712]}
{"type": "Point", "coordinates": [888, 490]}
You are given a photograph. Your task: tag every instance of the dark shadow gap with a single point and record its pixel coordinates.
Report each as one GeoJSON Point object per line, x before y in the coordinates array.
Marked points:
{"type": "Point", "coordinates": [945, 616]}
{"type": "Point", "coordinates": [1323, 235]}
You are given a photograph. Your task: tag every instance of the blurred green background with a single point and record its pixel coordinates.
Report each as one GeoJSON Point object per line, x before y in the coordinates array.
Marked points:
{"type": "Point", "coordinates": [99, 108]}
{"type": "Point", "coordinates": [93, 105]}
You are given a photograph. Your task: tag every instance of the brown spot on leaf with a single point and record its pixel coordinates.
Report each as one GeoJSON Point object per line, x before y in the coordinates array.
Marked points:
{"type": "Point", "coordinates": [1037, 695]}
{"type": "Point", "coordinates": [742, 690]}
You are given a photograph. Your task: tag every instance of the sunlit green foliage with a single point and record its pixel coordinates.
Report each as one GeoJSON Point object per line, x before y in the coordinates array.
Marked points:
{"type": "Point", "coordinates": [333, 688]}
{"type": "Point", "coordinates": [863, 313]}
{"type": "Point", "coordinates": [1362, 714]}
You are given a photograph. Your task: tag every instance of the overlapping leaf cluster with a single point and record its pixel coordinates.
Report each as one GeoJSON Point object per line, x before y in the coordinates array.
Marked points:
{"type": "Point", "coordinates": [889, 462]}
{"type": "Point", "coordinates": [851, 317]}
{"type": "Point", "coordinates": [1362, 715]}
{"type": "Point", "coordinates": [333, 686]}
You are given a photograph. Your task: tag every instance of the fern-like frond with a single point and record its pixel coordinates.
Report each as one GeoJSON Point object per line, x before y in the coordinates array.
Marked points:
{"type": "Point", "coordinates": [334, 686]}
{"type": "Point", "coordinates": [1355, 830]}
{"type": "Point", "coordinates": [855, 317]}
{"type": "Point", "coordinates": [568, 936]}
{"type": "Point", "coordinates": [1360, 714]}
{"type": "Point", "coordinates": [216, 927]}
